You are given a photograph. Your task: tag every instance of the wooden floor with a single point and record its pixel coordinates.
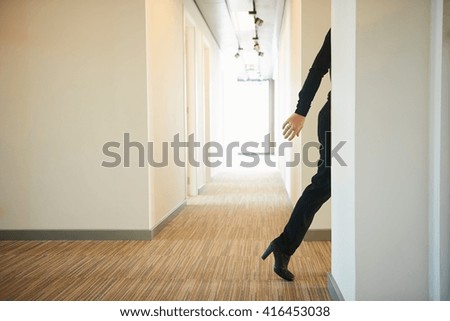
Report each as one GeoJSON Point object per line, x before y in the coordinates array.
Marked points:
{"type": "Point", "coordinates": [211, 251]}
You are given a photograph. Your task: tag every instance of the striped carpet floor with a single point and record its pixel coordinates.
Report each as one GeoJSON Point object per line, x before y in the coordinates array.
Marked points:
{"type": "Point", "coordinates": [210, 251]}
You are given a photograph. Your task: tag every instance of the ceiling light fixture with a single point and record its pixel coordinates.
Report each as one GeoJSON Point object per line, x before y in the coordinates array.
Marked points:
{"type": "Point", "coordinates": [259, 22]}
{"type": "Point", "coordinates": [253, 12]}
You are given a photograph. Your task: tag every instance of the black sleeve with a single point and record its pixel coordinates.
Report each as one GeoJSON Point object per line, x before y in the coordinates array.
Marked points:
{"type": "Point", "coordinates": [319, 68]}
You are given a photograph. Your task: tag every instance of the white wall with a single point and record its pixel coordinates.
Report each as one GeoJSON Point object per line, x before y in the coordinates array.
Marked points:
{"type": "Point", "coordinates": [392, 155]}
{"type": "Point", "coordinates": [73, 76]}
{"type": "Point", "coordinates": [445, 282]}
{"type": "Point", "coordinates": [445, 161]}
{"type": "Point", "coordinates": [343, 50]}
{"type": "Point", "coordinates": [381, 104]}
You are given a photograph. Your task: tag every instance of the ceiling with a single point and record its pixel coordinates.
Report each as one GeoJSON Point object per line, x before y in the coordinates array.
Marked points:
{"type": "Point", "coordinates": [234, 27]}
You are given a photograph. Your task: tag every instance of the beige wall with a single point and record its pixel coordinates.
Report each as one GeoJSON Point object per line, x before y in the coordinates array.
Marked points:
{"type": "Point", "coordinates": [78, 74]}
{"type": "Point", "coordinates": [207, 76]}
{"type": "Point", "coordinates": [73, 76]}
{"type": "Point", "coordinates": [166, 86]}
{"type": "Point", "coordinates": [166, 101]}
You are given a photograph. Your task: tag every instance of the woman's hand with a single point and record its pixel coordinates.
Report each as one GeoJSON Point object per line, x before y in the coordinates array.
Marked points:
{"type": "Point", "coordinates": [293, 125]}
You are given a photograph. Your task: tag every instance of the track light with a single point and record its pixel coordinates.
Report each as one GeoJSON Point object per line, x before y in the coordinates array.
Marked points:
{"type": "Point", "coordinates": [259, 22]}
{"type": "Point", "coordinates": [261, 54]}
{"type": "Point", "coordinates": [256, 46]}
{"type": "Point", "coordinates": [253, 12]}
{"type": "Point", "coordinates": [238, 53]}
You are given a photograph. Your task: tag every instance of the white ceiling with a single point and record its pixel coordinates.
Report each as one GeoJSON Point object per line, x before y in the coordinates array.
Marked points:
{"type": "Point", "coordinates": [232, 26]}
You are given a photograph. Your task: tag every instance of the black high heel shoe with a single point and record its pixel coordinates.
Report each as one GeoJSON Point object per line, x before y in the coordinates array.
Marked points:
{"type": "Point", "coordinates": [281, 262]}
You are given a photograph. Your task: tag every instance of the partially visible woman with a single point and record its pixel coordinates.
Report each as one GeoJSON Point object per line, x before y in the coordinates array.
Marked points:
{"type": "Point", "coordinates": [319, 191]}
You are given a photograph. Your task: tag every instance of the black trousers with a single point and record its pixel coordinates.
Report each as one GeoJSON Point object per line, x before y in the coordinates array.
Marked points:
{"type": "Point", "coordinates": [314, 195]}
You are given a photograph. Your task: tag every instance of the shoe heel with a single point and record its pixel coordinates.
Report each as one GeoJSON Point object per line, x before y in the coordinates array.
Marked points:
{"type": "Point", "coordinates": [267, 252]}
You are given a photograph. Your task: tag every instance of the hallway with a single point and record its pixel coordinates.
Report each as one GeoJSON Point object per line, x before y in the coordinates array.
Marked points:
{"type": "Point", "coordinates": [113, 113]}
{"type": "Point", "coordinates": [210, 251]}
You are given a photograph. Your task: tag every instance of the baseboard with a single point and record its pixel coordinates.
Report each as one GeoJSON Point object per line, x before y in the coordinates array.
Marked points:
{"type": "Point", "coordinates": [166, 220]}
{"type": "Point", "coordinates": [202, 189]}
{"type": "Point", "coordinates": [92, 235]}
{"type": "Point", "coordinates": [318, 235]}
{"type": "Point", "coordinates": [333, 289]}
{"type": "Point", "coordinates": [74, 235]}
{"type": "Point", "coordinates": [69, 235]}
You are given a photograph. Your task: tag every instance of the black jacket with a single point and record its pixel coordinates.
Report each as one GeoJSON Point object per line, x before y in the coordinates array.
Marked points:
{"type": "Point", "coordinates": [320, 66]}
